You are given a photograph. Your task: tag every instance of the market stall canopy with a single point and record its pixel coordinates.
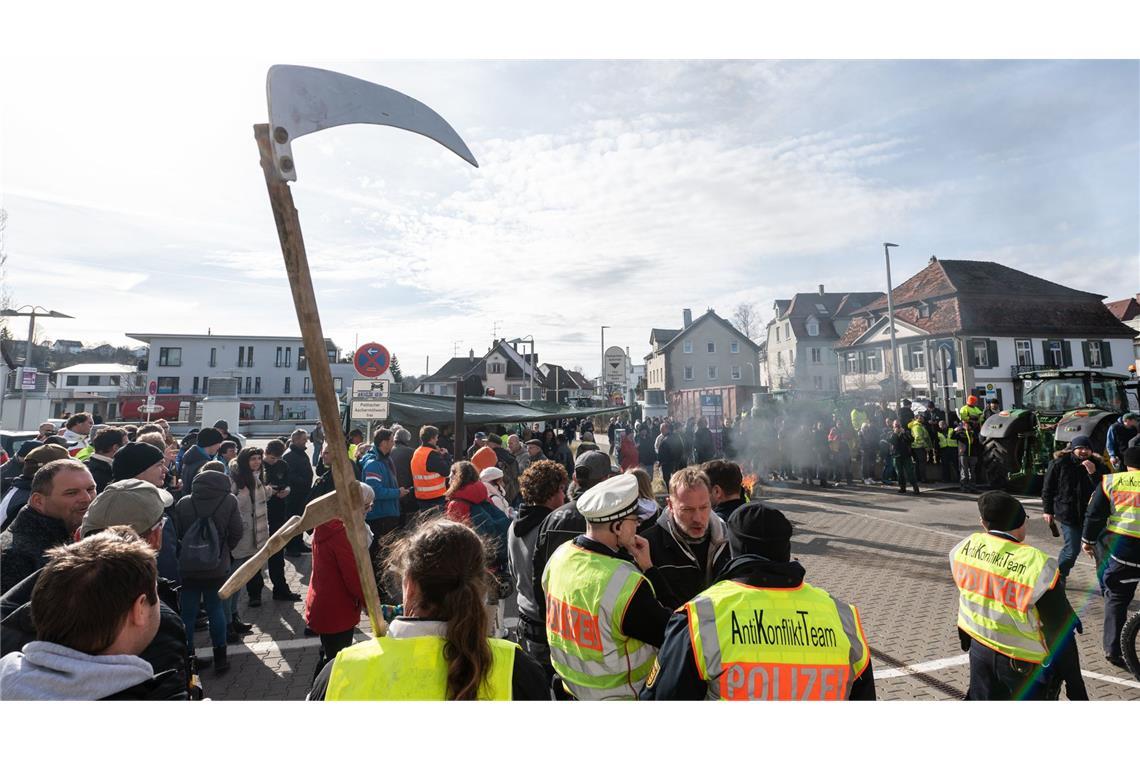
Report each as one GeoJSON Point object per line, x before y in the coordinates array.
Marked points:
{"type": "Point", "coordinates": [414, 409]}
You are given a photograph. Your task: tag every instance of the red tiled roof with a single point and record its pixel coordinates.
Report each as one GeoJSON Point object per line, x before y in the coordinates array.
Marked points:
{"type": "Point", "coordinates": [1125, 309]}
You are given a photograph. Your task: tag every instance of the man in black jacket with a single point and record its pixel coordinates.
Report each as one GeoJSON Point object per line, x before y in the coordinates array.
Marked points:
{"type": "Point", "coordinates": [300, 484]}
{"type": "Point", "coordinates": [402, 459]}
{"type": "Point", "coordinates": [727, 483]}
{"type": "Point", "coordinates": [277, 478]}
{"type": "Point", "coordinates": [689, 543]}
{"type": "Point", "coordinates": [670, 451]}
{"type": "Point", "coordinates": [106, 442]}
{"type": "Point", "coordinates": [1072, 477]}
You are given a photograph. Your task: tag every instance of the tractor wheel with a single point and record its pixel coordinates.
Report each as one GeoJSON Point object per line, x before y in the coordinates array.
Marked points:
{"type": "Point", "coordinates": [998, 462]}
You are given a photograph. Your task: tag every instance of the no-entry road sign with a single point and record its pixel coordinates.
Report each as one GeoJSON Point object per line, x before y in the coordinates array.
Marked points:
{"type": "Point", "coordinates": [371, 360]}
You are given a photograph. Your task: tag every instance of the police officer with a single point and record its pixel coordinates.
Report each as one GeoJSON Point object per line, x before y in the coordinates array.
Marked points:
{"type": "Point", "coordinates": [1012, 612]}
{"type": "Point", "coordinates": [1116, 504]}
{"type": "Point", "coordinates": [760, 632]}
{"type": "Point", "coordinates": [603, 621]}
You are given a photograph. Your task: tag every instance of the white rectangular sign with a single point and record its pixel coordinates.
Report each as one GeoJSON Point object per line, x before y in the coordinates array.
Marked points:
{"type": "Point", "coordinates": [370, 389]}
{"type": "Point", "coordinates": [27, 379]}
{"type": "Point", "coordinates": [369, 410]}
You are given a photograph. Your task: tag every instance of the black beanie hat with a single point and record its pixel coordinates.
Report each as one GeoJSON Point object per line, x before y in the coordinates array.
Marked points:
{"type": "Point", "coordinates": [754, 528]}
{"type": "Point", "coordinates": [209, 436]}
{"type": "Point", "coordinates": [132, 459]}
{"type": "Point", "coordinates": [1001, 511]}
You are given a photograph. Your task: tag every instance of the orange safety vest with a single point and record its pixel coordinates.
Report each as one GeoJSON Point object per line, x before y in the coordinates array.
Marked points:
{"type": "Point", "coordinates": [428, 485]}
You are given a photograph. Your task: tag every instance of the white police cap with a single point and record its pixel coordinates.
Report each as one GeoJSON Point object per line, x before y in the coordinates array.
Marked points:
{"type": "Point", "coordinates": [609, 500]}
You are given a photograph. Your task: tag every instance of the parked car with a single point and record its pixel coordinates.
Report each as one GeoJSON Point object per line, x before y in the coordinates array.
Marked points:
{"type": "Point", "coordinates": [10, 441]}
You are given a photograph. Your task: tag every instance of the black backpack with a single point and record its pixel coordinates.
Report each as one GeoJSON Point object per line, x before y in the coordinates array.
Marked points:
{"type": "Point", "coordinates": [202, 553]}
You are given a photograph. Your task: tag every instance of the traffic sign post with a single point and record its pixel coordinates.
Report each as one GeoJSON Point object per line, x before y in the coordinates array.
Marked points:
{"type": "Point", "coordinates": [152, 390]}
{"type": "Point", "coordinates": [371, 360]}
{"type": "Point", "coordinates": [370, 397]}
{"type": "Point", "coordinates": [369, 410]}
{"type": "Point", "coordinates": [370, 389]}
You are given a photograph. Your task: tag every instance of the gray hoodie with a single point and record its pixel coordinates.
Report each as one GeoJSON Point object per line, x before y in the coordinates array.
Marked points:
{"type": "Point", "coordinates": [50, 671]}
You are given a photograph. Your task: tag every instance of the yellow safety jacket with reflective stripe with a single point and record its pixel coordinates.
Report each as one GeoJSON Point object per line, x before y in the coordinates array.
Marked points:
{"type": "Point", "coordinates": [587, 594]}
{"type": "Point", "coordinates": [858, 417]}
{"type": "Point", "coordinates": [967, 411]}
{"type": "Point", "coordinates": [754, 643]}
{"type": "Point", "coordinates": [999, 582]}
{"type": "Point", "coordinates": [945, 441]}
{"type": "Point", "coordinates": [427, 484]}
{"type": "Point", "coordinates": [411, 669]}
{"type": "Point", "coordinates": [1123, 489]}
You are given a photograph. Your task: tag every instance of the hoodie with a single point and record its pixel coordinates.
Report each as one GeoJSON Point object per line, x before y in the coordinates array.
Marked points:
{"type": "Point", "coordinates": [46, 671]}
{"type": "Point", "coordinates": [210, 496]}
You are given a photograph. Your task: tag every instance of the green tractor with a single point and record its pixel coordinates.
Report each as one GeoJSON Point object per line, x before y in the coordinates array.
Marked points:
{"type": "Point", "coordinates": [1057, 405]}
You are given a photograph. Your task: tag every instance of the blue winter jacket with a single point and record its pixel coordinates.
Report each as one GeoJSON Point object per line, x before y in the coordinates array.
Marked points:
{"type": "Point", "coordinates": [380, 475]}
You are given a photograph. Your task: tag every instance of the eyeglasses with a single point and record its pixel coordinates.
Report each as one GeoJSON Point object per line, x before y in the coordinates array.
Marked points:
{"type": "Point", "coordinates": [158, 525]}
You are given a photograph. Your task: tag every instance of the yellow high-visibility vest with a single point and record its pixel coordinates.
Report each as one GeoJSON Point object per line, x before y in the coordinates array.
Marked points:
{"type": "Point", "coordinates": [999, 582]}
{"type": "Point", "coordinates": [776, 644]}
{"type": "Point", "coordinates": [586, 596]}
{"type": "Point", "coordinates": [411, 669]}
{"type": "Point", "coordinates": [1123, 488]}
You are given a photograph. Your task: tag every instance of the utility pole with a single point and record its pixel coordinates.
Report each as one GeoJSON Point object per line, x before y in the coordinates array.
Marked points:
{"type": "Point", "coordinates": [891, 317]}
{"type": "Point", "coordinates": [32, 312]}
{"type": "Point", "coordinates": [602, 368]}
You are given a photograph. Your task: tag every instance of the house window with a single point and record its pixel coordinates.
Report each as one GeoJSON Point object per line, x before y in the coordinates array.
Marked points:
{"type": "Point", "coordinates": [779, 358]}
{"type": "Point", "coordinates": [257, 385]}
{"type": "Point", "coordinates": [917, 356]}
{"type": "Point", "coordinates": [1024, 352]}
{"type": "Point", "coordinates": [241, 356]}
{"type": "Point", "coordinates": [712, 347]}
{"type": "Point", "coordinates": [288, 356]}
{"type": "Point", "coordinates": [170, 357]}
{"type": "Point", "coordinates": [924, 310]}
{"type": "Point", "coordinates": [194, 389]}
{"type": "Point", "coordinates": [265, 411]}
{"type": "Point", "coordinates": [1095, 359]}
{"type": "Point", "coordinates": [213, 357]}
{"type": "Point", "coordinates": [73, 379]}
{"type": "Point", "coordinates": [851, 363]}
{"type": "Point", "coordinates": [817, 356]}
{"type": "Point", "coordinates": [687, 346]}
{"type": "Point", "coordinates": [1056, 353]}
{"type": "Point", "coordinates": [688, 372]}
{"type": "Point", "coordinates": [338, 384]}
{"type": "Point", "coordinates": [308, 385]}
{"type": "Point", "coordinates": [288, 384]}
{"type": "Point", "coordinates": [496, 368]}
{"type": "Point", "coordinates": [168, 385]}
{"type": "Point", "coordinates": [734, 347]}
{"type": "Point", "coordinates": [813, 328]}
{"type": "Point", "coordinates": [873, 361]}
{"type": "Point", "coordinates": [205, 385]}
{"type": "Point", "coordinates": [280, 355]}
{"type": "Point", "coordinates": [817, 381]}
{"type": "Point", "coordinates": [735, 372]}
{"type": "Point", "coordinates": [777, 334]}
{"type": "Point", "coordinates": [712, 372]}
{"type": "Point", "coordinates": [248, 385]}
{"type": "Point", "coordinates": [981, 354]}
{"type": "Point", "coordinates": [249, 357]}
{"type": "Point", "coordinates": [92, 379]}
{"type": "Point", "coordinates": [302, 362]}
{"type": "Point", "coordinates": [115, 379]}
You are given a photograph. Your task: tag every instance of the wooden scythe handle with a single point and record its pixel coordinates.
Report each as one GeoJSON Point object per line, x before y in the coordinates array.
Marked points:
{"type": "Point", "coordinates": [349, 506]}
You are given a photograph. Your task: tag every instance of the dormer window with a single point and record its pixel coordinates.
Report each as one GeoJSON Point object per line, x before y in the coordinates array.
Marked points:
{"type": "Point", "coordinates": [924, 309]}
{"type": "Point", "coordinates": [813, 328]}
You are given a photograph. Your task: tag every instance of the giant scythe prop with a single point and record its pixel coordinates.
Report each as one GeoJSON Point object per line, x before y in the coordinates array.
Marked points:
{"type": "Point", "coordinates": [304, 100]}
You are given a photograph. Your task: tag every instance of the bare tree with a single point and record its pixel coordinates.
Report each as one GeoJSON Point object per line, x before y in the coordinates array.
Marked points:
{"type": "Point", "coordinates": [746, 319]}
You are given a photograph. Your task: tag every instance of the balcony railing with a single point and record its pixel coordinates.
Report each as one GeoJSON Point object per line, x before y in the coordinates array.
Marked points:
{"type": "Point", "coordinates": [1016, 368]}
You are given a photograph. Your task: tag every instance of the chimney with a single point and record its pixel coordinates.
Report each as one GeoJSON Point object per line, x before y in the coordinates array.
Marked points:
{"type": "Point", "coordinates": [470, 353]}
{"type": "Point", "coordinates": [687, 316]}
{"type": "Point", "coordinates": [821, 290]}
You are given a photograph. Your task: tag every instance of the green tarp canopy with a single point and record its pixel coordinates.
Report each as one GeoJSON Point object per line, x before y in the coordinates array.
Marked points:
{"type": "Point", "coordinates": [414, 409]}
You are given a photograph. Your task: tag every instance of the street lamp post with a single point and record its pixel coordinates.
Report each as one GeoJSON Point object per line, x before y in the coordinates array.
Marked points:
{"type": "Point", "coordinates": [891, 318]}
{"type": "Point", "coordinates": [602, 367]}
{"type": "Point", "coordinates": [31, 313]}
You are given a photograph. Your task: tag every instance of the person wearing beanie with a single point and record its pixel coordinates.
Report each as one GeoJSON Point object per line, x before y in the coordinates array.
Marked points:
{"type": "Point", "coordinates": [203, 450]}
{"type": "Point", "coordinates": [1114, 517]}
{"type": "Point", "coordinates": [760, 632]}
{"type": "Point", "coordinates": [1072, 477]}
{"type": "Point", "coordinates": [603, 621]}
{"type": "Point", "coordinates": [1013, 616]}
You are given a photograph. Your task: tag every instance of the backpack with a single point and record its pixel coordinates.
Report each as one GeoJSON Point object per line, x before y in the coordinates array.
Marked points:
{"type": "Point", "coordinates": [201, 553]}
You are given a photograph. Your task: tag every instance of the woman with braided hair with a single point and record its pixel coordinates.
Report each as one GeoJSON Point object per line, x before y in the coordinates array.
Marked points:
{"type": "Point", "coordinates": [438, 649]}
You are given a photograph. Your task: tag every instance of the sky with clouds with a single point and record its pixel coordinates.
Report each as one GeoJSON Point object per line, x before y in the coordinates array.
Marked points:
{"type": "Point", "coordinates": [608, 192]}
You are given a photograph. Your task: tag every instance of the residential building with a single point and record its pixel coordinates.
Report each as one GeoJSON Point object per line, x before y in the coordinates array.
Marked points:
{"type": "Point", "coordinates": [1128, 311]}
{"type": "Point", "coordinates": [442, 381]}
{"type": "Point", "coordinates": [800, 339]}
{"type": "Point", "coordinates": [272, 371]}
{"type": "Point", "coordinates": [70, 346]}
{"type": "Point", "coordinates": [706, 354]}
{"type": "Point", "coordinates": [991, 322]}
{"type": "Point", "coordinates": [565, 386]}
{"type": "Point", "coordinates": [94, 388]}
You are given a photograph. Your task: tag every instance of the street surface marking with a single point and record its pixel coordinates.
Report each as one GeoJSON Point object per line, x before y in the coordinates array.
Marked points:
{"type": "Point", "coordinates": [1110, 679]}
{"type": "Point", "coordinates": [922, 667]}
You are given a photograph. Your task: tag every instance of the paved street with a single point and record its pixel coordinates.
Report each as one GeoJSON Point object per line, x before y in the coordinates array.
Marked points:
{"type": "Point", "coordinates": [884, 552]}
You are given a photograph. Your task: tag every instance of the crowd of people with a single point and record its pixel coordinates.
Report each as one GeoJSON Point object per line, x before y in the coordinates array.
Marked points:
{"type": "Point", "coordinates": [621, 591]}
